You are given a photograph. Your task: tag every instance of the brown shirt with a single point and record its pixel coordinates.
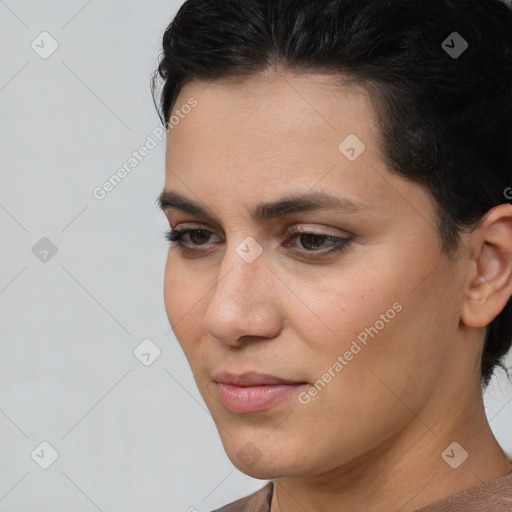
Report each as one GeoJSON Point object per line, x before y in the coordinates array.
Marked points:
{"type": "Point", "coordinates": [491, 496]}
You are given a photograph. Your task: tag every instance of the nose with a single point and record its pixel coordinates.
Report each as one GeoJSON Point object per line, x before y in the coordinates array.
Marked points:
{"type": "Point", "coordinates": [243, 303]}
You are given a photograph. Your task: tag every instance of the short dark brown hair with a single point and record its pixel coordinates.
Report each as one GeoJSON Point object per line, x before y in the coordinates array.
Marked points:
{"type": "Point", "coordinates": [439, 73]}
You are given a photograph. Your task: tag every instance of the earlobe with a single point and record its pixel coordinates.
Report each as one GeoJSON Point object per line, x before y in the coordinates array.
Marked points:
{"type": "Point", "coordinates": [490, 286]}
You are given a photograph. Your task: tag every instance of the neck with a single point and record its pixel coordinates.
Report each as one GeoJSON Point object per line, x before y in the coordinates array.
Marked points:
{"type": "Point", "coordinates": [408, 471]}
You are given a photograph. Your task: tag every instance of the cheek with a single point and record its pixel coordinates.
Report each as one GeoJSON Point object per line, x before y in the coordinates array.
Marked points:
{"type": "Point", "coordinates": [389, 346]}
{"type": "Point", "coordinates": [172, 291]}
{"type": "Point", "coordinates": [346, 304]}
{"type": "Point", "coordinates": [377, 316]}
{"type": "Point", "coordinates": [182, 299]}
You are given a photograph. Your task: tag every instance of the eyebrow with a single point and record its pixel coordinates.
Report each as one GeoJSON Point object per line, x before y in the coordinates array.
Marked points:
{"type": "Point", "coordinates": [295, 203]}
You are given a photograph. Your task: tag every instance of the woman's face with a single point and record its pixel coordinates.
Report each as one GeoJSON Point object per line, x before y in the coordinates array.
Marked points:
{"type": "Point", "coordinates": [368, 330]}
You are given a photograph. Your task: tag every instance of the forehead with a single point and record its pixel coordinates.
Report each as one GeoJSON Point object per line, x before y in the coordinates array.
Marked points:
{"type": "Point", "coordinates": [262, 137]}
{"type": "Point", "coordinates": [271, 119]}
{"type": "Point", "coordinates": [276, 103]}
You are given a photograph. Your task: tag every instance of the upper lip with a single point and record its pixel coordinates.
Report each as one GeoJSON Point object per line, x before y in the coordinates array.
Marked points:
{"type": "Point", "coordinates": [252, 379]}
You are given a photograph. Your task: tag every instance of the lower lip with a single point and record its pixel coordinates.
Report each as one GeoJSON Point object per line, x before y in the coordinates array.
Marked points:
{"type": "Point", "coordinates": [245, 399]}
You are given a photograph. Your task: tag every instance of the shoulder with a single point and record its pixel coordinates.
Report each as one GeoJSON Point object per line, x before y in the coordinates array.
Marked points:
{"type": "Point", "coordinates": [491, 496]}
{"type": "Point", "coordinates": [256, 502]}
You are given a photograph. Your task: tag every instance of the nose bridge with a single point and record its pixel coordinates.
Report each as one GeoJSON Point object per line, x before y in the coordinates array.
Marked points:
{"type": "Point", "coordinates": [241, 273]}
{"type": "Point", "coordinates": [240, 304]}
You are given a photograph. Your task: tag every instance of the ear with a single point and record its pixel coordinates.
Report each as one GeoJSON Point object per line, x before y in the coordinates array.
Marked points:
{"type": "Point", "coordinates": [490, 280]}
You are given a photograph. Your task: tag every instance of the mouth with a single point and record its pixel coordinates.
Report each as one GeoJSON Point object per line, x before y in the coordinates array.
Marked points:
{"type": "Point", "coordinates": [253, 392]}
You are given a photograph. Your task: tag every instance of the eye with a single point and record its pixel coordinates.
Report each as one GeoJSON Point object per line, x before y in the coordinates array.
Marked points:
{"type": "Point", "coordinates": [310, 241]}
{"type": "Point", "coordinates": [177, 235]}
{"type": "Point", "coordinates": [313, 241]}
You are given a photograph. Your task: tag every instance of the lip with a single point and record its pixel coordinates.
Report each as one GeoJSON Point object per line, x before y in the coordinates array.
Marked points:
{"type": "Point", "coordinates": [253, 392]}
{"type": "Point", "coordinates": [251, 378]}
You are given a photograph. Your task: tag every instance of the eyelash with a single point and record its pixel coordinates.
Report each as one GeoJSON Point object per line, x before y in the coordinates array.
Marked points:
{"type": "Point", "coordinates": [177, 236]}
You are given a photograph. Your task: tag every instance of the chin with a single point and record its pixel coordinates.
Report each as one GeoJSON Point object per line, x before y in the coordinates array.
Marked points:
{"type": "Point", "coordinates": [262, 460]}
{"type": "Point", "coordinates": [258, 470]}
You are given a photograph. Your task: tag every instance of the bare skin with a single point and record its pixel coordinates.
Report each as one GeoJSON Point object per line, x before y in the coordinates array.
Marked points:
{"type": "Point", "coordinates": [372, 439]}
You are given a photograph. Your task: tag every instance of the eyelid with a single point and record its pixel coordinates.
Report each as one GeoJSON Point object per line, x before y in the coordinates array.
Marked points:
{"type": "Point", "coordinates": [192, 225]}
{"type": "Point", "coordinates": [339, 243]}
{"type": "Point", "coordinates": [313, 230]}
{"type": "Point", "coordinates": [318, 231]}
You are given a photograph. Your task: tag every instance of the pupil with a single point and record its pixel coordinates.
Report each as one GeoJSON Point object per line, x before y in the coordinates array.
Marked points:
{"type": "Point", "coordinates": [313, 237]}
{"type": "Point", "coordinates": [195, 234]}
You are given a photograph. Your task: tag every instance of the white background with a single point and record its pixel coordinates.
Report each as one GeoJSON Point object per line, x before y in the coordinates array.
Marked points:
{"type": "Point", "coordinates": [129, 437]}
